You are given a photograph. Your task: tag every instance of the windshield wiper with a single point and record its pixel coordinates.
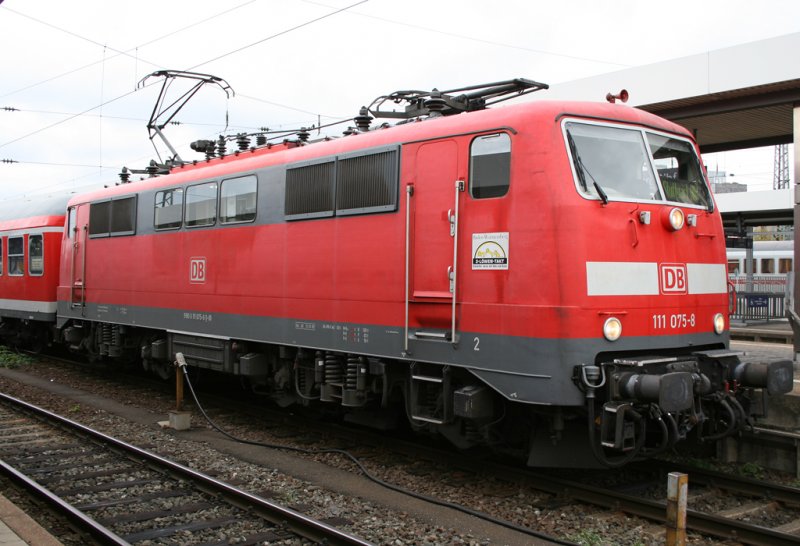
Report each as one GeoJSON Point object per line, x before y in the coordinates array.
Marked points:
{"type": "Point", "coordinates": [600, 191]}
{"type": "Point", "coordinates": [582, 169]}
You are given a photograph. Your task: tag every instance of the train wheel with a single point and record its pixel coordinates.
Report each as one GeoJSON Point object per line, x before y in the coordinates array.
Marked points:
{"type": "Point", "coordinates": [162, 370]}
{"type": "Point", "coordinates": [37, 345]}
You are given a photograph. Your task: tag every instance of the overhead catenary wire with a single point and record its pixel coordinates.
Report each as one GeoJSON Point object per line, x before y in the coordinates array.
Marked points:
{"type": "Point", "coordinates": [191, 123]}
{"type": "Point", "coordinates": [118, 52]}
{"type": "Point", "coordinates": [277, 34]}
{"type": "Point", "coordinates": [54, 164]}
{"type": "Point", "coordinates": [296, 27]}
{"type": "Point", "coordinates": [477, 39]}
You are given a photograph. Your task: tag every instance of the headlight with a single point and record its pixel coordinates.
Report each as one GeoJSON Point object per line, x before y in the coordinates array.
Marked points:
{"type": "Point", "coordinates": [612, 329]}
{"type": "Point", "coordinates": [719, 323]}
{"type": "Point", "coordinates": [675, 219]}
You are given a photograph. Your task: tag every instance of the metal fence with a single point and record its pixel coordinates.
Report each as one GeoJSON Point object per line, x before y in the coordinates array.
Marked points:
{"type": "Point", "coordinates": [758, 306]}
{"type": "Point", "coordinates": [769, 284]}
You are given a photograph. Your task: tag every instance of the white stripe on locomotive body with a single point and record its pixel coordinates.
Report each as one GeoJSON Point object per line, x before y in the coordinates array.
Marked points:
{"type": "Point", "coordinates": [31, 231]}
{"type": "Point", "coordinates": [642, 279]}
{"type": "Point", "coordinates": [29, 306]}
{"type": "Point", "coordinates": [707, 278]}
{"type": "Point", "coordinates": [621, 278]}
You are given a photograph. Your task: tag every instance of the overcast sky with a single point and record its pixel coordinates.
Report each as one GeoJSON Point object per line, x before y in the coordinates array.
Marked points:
{"type": "Point", "coordinates": [71, 69]}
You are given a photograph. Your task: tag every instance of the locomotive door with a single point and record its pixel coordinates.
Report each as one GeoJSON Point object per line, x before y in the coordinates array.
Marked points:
{"type": "Point", "coordinates": [433, 204]}
{"type": "Point", "coordinates": [78, 227]}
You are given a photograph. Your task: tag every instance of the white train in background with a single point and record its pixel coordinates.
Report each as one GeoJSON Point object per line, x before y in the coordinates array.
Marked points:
{"type": "Point", "coordinates": [769, 258]}
{"type": "Point", "coordinates": [772, 261]}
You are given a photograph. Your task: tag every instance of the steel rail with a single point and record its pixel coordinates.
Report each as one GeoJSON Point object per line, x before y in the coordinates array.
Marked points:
{"type": "Point", "coordinates": [83, 522]}
{"type": "Point", "coordinates": [695, 521]}
{"type": "Point", "coordinates": [739, 484]}
{"type": "Point", "coordinates": [296, 522]}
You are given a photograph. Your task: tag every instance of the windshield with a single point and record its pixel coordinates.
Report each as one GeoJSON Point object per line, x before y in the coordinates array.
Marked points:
{"type": "Point", "coordinates": [678, 170]}
{"type": "Point", "coordinates": [616, 163]}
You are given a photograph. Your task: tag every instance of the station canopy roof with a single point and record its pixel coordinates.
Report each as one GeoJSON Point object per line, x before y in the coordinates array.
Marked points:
{"type": "Point", "coordinates": [741, 118]}
{"type": "Point", "coordinates": [738, 97]}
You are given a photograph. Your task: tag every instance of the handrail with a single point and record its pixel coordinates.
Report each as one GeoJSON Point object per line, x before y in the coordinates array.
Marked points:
{"type": "Point", "coordinates": [453, 273]}
{"type": "Point", "coordinates": [409, 193]}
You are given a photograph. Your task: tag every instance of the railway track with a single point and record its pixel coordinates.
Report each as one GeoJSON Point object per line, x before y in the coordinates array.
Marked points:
{"type": "Point", "coordinates": [764, 514]}
{"type": "Point", "coordinates": [759, 513]}
{"type": "Point", "coordinates": [735, 523]}
{"type": "Point", "coordinates": [749, 500]}
{"type": "Point", "coordinates": [120, 494]}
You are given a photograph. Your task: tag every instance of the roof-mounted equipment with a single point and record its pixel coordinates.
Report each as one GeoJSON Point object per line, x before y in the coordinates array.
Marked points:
{"type": "Point", "coordinates": [622, 96]}
{"type": "Point", "coordinates": [163, 115]}
{"type": "Point", "coordinates": [452, 101]}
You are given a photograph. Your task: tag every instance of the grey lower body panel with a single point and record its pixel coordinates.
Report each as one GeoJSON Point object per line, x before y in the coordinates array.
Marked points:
{"type": "Point", "coordinates": [522, 369]}
{"type": "Point", "coordinates": [27, 315]}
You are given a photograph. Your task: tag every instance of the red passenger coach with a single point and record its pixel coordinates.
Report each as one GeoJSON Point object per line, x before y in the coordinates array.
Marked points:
{"type": "Point", "coordinates": [29, 262]}
{"type": "Point", "coordinates": [547, 278]}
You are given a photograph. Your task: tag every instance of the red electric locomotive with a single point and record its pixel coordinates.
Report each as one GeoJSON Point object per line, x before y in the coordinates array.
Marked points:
{"type": "Point", "coordinates": [546, 278]}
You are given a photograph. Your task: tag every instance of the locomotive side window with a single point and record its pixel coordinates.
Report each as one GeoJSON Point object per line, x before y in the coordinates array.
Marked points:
{"type": "Point", "coordinates": [72, 221]}
{"type": "Point", "coordinates": [35, 255]}
{"type": "Point", "coordinates": [367, 183]}
{"type": "Point", "coordinates": [784, 265]}
{"type": "Point", "coordinates": [679, 170]}
{"type": "Point", "coordinates": [168, 212]}
{"type": "Point", "coordinates": [201, 205]}
{"type": "Point", "coordinates": [238, 200]}
{"type": "Point", "coordinates": [309, 191]}
{"type": "Point", "coordinates": [733, 267]}
{"type": "Point", "coordinates": [490, 166]}
{"type": "Point", "coordinates": [99, 219]}
{"type": "Point", "coordinates": [767, 265]}
{"type": "Point", "coordinates": [16, 256]}
{"type": "Point", "coordinates": [1, 255]}
{"type": "Point", "coordinates": [123, 216]}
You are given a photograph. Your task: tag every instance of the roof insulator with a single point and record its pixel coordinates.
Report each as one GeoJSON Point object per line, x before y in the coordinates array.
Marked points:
{"type": "Point", "coordinates": [435, 104]}
{"type": "Point", "coordinates": [243, 141]}
{"type": "Point", "coordinates": [151, 169]}
{"type": "Point", "coordinates": [363, 119]}
{"type": "Point", "coordinates": [221, 148]}
{"type": "Point", "coordinates": [125, 175]}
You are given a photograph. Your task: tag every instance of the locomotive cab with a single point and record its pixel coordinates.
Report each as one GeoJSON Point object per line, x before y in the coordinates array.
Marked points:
{"type": "Point", "coordinates": [656, 284]}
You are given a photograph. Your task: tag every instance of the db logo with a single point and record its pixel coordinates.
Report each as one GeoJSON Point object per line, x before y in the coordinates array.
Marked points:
{"type": "Point", "coordinates": [197, 270]}
{"type": "Point", "coordinates": [673, 278]}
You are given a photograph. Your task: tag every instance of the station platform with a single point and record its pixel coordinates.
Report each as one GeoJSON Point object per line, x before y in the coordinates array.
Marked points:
{"type": "Point", "coordinates": [18, 529]}
{"type": "Point", "coordinates": [775, 331]}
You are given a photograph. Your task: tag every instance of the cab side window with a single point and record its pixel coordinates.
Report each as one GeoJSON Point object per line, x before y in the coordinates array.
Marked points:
{"type": "Point", "coordinates": [490, 166]}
